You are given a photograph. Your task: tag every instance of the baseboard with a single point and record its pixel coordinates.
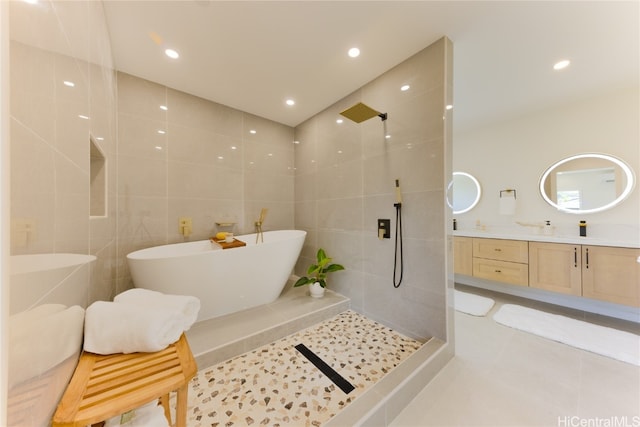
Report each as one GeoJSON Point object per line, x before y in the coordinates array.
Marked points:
{"type": "Point", "coordinates": [603, 308]}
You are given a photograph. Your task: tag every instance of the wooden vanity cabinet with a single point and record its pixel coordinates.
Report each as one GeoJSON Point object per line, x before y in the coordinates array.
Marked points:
{"type": "Point", "coordinates": [501, 260]}
{"type": "Point", "coordinates": [599, 272]}
{"type": "Point", "coordinates": [611, 274]}
{"type": "Point", "coordinates": [556, 267]}
{"type": "Point", "coordinates": [463, 255]}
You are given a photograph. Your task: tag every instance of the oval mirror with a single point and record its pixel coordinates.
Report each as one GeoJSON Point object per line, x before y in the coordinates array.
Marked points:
{"type": "Point", "coordinates": [587, 183]}
{"type": "Point", "coordinates": [463, 192]}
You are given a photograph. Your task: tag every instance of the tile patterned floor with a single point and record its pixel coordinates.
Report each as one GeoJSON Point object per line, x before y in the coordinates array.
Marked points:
{"type": "Point", "coordinates": [275, 385]}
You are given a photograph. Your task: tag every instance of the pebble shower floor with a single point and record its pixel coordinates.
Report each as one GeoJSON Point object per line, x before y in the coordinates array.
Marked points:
{"type": "Point", "coordinates": [275, 385]}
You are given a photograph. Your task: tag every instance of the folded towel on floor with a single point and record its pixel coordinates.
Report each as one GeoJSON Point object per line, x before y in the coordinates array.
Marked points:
{"type": "Point", "coordinates": [150, 415]}
{"type": "Point", "coordinates": [54, 329]}
{"type": "Point", "coordinates": [127, 328]}
{"type": "Point", "coordinates": [187, 305]}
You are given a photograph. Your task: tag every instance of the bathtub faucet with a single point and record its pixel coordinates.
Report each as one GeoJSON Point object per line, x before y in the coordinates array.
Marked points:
{"type": "Point", "coordinates": [263, 213]}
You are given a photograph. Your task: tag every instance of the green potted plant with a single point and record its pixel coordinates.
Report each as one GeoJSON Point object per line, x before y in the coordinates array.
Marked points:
{"type": "Point", "coordinates": [317, 274]}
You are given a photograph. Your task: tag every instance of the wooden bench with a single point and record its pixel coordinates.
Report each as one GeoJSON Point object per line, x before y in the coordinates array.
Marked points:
{"type": "Point", "coordinates": [106, 386]}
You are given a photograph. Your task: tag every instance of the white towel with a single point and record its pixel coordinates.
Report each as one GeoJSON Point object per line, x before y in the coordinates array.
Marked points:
{"type": "Point", "coordinates": [150, 415]}
{"type": "Point", "coordinates": [609, 342]}
{"type": "Point", "coordinates": [474, 305]}
{"type": "Point", "coordinates": [188, 306]}
{"type": "Point", "coordinates": [54, 330]}
{"type": "Point", "coordinates": [127, 328]}
{"type": "Point", "coordinates": [507, 205]}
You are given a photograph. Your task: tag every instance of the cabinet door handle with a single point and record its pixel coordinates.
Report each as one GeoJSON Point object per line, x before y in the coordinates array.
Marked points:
{"type": "Point", "coordinates": [587, 256]}
{"type": "Point", "coordinates": [498, 271]}
{"type": "Point", "coordinates": [497, 249]}
{"type": "Point", "coordinates": [575, 257]}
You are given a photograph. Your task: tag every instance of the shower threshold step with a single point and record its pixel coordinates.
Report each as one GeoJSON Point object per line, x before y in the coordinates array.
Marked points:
{"type": "Point", "coordinates": [215, 340]}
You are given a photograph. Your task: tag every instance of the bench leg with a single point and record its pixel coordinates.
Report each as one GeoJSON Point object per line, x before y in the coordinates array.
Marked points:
{"type": "Point", "coordinates": [181, 406]}
{"type": "Point", "coordinates": [164, 401]}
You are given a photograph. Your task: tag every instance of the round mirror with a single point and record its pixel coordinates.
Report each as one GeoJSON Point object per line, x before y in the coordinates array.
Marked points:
{"type": "Point", "coordinates": [463, 192]}
{"type": "Point", "coordinates": [587, 183]}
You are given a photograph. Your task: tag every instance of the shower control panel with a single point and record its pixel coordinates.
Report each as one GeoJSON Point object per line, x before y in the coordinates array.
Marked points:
{"type": "Point", "coordinates": [384, 229]}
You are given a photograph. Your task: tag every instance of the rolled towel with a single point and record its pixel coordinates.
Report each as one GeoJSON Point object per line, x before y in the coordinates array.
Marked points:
{"type": "Point", "coordinates": [187, 305]}
{"type": "Point", "coordinates": [150, 415]}
{"type": "Point", "coordinates": [126, 328]}
{"type": "Point", "coordinates": [54, 330]}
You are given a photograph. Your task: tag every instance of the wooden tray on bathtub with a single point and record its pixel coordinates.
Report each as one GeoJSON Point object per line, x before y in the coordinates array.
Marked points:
{"type": "Point", "coordinates": [235, 244]}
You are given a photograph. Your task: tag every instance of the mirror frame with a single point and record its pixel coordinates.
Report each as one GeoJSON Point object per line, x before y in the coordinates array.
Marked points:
{"type": "Point", "coordinates": [631, 181]}
{"type": "Point", "coordinates": [477, 199]}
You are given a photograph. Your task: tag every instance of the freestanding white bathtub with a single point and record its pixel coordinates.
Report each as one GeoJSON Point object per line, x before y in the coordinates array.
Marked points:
{"type": "Point", "coordinates": [226, 280]}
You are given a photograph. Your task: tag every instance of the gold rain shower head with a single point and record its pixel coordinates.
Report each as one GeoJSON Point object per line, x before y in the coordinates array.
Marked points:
{"type": "Point", "coordinates": [361, 112]}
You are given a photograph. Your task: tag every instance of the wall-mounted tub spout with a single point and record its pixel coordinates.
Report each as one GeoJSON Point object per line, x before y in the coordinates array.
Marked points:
{"type": "Point", "coordinates": [258, 223]}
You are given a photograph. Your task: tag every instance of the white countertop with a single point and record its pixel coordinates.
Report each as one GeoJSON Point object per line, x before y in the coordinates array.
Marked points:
{"type": "Point", "coordinates": [573, 240]}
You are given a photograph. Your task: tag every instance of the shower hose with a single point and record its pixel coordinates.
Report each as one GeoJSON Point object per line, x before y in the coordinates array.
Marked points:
{"type": "Point", "coordinates": [398, 245]}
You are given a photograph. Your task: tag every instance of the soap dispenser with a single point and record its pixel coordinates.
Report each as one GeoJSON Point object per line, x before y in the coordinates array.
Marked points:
{"type": "Point", "coordinates": [583, 228]}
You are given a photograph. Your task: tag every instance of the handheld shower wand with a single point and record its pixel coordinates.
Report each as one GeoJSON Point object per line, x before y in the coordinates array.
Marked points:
{"type": "Point", "coordinates": [398, 206]}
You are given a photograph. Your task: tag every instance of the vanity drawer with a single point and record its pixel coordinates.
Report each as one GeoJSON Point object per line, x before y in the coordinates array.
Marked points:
{"type": "Point", "coordinates": [501, 271]}
{"type": "Point", "coordinates": [501, 250]}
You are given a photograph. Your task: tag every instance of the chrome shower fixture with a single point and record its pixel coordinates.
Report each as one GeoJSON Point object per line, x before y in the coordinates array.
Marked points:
{"type": "Point", "coordinates": [361, 112]}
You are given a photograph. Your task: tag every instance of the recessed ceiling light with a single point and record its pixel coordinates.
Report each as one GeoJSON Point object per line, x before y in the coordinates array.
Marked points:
{"type": "Point", "coordinates": [158, 147]}
{"type": "Point", "coordinates": [68, 83]}
{"type": "Point", "coordinates": [449, 107]}
{"type": "Point", "coordinates": [253, 131]}
{"type": "Point", "coordinates": [354, 52]}
{"type": "Point", "coordinates": [387, 136]}
{"type": "Point", "coordinates": [290, 102]}
{"type": "Point", "coordinates": [164, 107]}
{"type": "Point", "coordinates": [405, 88]}
{"type": "Point", "coordinates": [161, 132]}
{"type": "Point", "coordinates": [233, 147]}
{"type": "Point", "coordinates": [296, 142]}
{"type": "Point", "coordinates": [339, 121]}
{"type": "Point", "coordinates": [561, 64]}
{"type": "Point", "coordinates": [82, 116]}
{"type": "Point", "coordinates": [172, 53]}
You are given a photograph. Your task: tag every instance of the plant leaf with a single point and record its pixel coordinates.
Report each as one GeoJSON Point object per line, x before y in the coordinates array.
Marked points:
{"type": "Point", "coordinates": [321, 255]}
{"type": "Point", "coordinates": [333, 267]}
{"type": "Point", "coordinates": [302, 281]}
{"type": "Point", "coordinates": [322, 263]}
{"type": "Point", "coordinates": [312, 269]}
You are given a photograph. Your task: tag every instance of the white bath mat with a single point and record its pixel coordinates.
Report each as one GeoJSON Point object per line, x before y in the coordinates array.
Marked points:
{"type": "Point", "coordinates": [474, 305]}
{"type": "Point", "coordinates": [620, 345]}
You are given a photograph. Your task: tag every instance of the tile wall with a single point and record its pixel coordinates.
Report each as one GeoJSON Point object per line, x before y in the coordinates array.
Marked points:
{"type": "Point", "coordinates": [345, 179]}
{"type": "Point", "coordinates": [197, 159]}
{"type": "Point", "coordinates": [51, 127]}
{"type": "Point", "coordinates": [51, 123]}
